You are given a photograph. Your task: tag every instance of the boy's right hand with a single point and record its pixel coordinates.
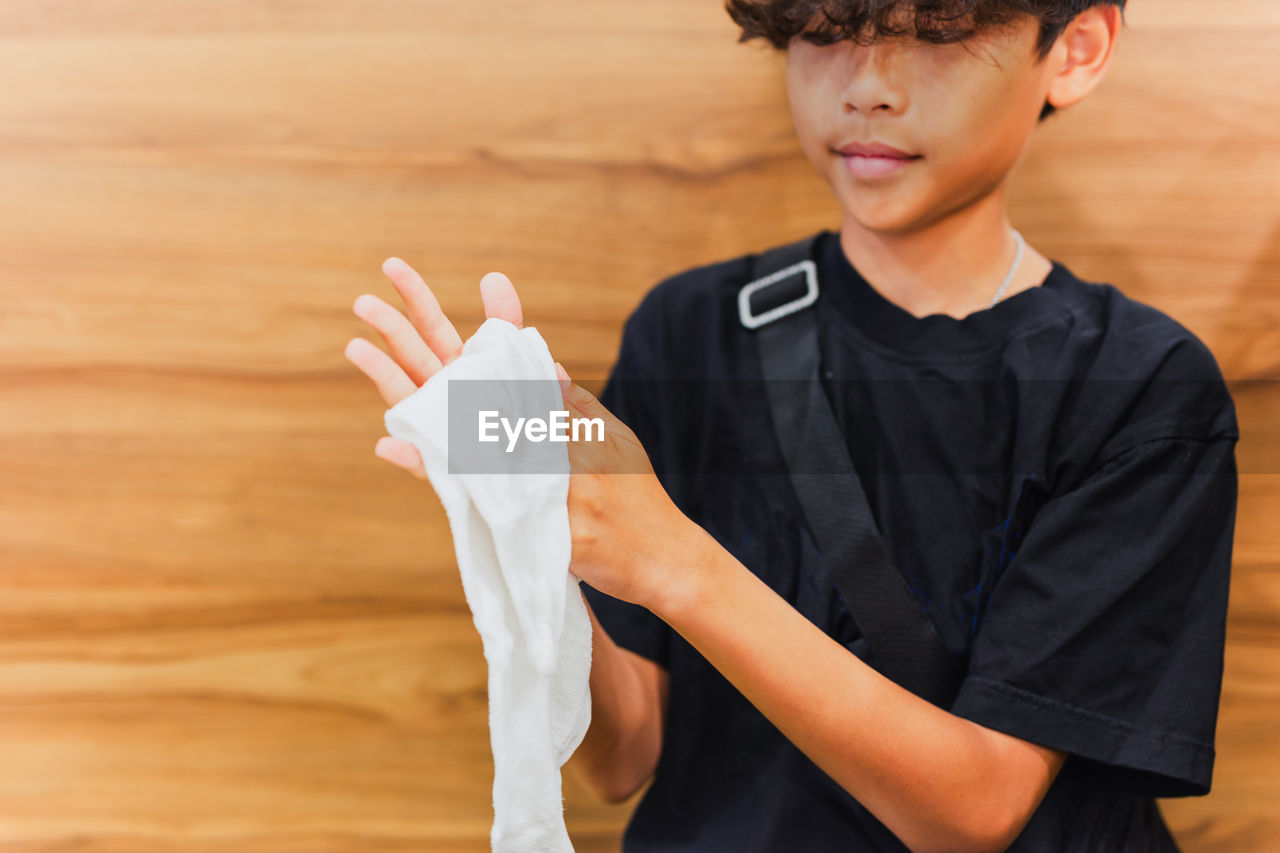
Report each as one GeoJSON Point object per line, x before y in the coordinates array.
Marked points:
{"type": "Point", "coordinates": [420, 344]}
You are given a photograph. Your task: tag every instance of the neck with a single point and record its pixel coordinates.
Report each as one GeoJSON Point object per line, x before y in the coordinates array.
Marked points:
{"type": "Point", "coordinates": [951, 266]}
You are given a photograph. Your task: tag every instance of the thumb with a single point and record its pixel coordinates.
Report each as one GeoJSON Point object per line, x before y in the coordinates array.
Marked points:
{"type": "Point", "coordinates": [577, 396]}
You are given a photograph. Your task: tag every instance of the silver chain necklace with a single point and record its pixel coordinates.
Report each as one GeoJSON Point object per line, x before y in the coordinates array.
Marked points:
{"type": "Point", "coordinates": [1017, 259]}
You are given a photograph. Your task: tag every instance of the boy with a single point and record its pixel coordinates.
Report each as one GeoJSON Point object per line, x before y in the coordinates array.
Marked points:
{"type": "Point", "coordinates": [1051, 467]}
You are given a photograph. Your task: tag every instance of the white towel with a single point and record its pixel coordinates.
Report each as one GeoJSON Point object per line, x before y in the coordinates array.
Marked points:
{"type": "Point", "coordinates": [511, 535]}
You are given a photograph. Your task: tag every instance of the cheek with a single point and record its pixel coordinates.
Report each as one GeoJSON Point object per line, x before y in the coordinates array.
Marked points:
{"type": "Point", "coordinates": [987, 139]}
{"type": "Point", "coordinates": [814, 101]}
{"type": "Point", "coordinates": [987, 154]}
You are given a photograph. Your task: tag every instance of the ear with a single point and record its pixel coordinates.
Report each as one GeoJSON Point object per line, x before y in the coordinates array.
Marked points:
{"type": "Point", "coordinates": [1082, 54]}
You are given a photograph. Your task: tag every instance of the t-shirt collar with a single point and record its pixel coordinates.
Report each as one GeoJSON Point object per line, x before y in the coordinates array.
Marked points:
{"type": "Point", "coordinates": [868, 311]}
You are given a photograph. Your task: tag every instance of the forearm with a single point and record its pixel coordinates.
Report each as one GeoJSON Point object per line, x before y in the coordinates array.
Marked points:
{"type": "Point", "coordinates": [938, 781]}
{"type": "Point", "coordinates": [621, 746]}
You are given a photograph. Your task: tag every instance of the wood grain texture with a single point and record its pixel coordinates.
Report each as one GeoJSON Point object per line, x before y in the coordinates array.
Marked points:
{"type": "Point", "coordinates": [224, 624]}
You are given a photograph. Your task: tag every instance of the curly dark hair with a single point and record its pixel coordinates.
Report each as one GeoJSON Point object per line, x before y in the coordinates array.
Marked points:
{"type": "Point", "coordinates": [936, 21]}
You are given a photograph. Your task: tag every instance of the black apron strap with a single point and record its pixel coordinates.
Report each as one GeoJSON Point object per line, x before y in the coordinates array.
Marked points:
{"type": "Point", "coordinates": [776, 307]}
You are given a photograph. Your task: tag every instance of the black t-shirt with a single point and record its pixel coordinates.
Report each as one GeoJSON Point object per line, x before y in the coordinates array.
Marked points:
{"type": "Point", "coordinates": [1055, 478]}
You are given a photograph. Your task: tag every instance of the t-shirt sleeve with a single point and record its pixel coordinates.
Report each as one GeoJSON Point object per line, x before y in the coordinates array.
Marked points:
{"type": "Point", "coordinates": [631, 393]}
{"type": "Point", "coordinates": [1104, 635]}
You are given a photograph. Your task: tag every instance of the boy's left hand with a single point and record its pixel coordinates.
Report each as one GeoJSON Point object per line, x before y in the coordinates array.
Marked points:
{"type": "Point", "coordinates": [627, 535]}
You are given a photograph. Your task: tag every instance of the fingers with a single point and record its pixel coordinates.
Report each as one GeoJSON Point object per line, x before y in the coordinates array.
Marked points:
{"type": "Point", "coordinates": [421, 343]}
{"type": "Point", "coordinates": [597, 456]}
{"type": "Point", "coordinates": [424, 310]}
{"type": "Point", "coordinates": [391, 381]}
{"type": "Point", "coordinates": [500, 300]}
{"type": "Point", "coordinates": [401, 453]}
{"type": "Point", "coordinates": [580, 398]}
{"type": "Point", "coordinates": [406, 344]}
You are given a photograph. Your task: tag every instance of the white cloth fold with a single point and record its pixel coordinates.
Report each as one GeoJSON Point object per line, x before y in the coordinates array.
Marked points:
{"type": "Point", "coordinates": [510, 527]}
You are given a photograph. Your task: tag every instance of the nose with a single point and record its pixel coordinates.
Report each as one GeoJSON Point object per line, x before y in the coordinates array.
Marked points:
{"type": "Point", "coordinates": [873, 86]}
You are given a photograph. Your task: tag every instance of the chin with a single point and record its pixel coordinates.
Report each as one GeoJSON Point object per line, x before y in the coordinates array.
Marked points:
{"type": "Point", "coordinates": [881, 215]}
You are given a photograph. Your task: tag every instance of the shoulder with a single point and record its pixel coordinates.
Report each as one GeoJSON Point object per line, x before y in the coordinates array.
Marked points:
{"type": "Point", "coordinates": [695, 290]}
{"type": "Point", "coordinates": [1135, 337]}
{"type": "Point", "coordinates": [1132, 358]}
{"type": "Point", "coordinates": [683, 315]}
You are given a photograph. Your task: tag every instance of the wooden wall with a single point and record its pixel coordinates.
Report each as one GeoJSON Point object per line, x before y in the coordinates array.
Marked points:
{"type": "Point", "coordinates": [225, 625]}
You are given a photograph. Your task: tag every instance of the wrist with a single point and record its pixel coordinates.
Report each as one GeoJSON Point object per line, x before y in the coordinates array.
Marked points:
{"type": "Point", "coordinates": [682, 570]}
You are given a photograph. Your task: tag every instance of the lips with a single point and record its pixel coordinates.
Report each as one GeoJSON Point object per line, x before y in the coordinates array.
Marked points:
{"type": "Point", "coordinates": [874, 159]}
{"type": "Point", "coordinates": [875, 149]}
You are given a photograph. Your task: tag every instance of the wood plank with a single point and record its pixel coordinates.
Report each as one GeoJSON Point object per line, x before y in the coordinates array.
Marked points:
{"type": "Point", "coordinates": [224, 624]}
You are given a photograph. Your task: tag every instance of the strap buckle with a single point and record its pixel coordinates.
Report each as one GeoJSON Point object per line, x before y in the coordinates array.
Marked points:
{"type": "Point", "coordinates": [754, 321]}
